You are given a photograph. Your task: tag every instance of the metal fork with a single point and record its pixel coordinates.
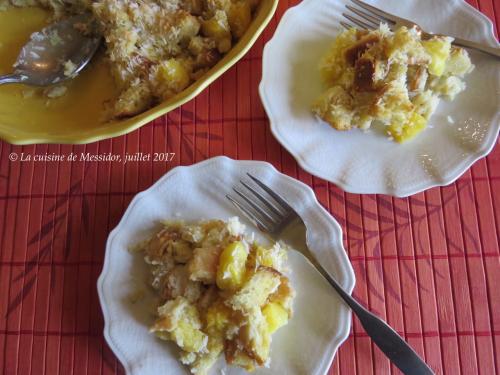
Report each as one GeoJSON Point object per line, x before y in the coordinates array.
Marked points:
{"type": "Point", "coordinates": [274, 216]}
{"type": "Point", "coordinates": [370, 17]}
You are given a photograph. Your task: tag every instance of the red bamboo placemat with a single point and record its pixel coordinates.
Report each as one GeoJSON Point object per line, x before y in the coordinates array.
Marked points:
{"type": "Point", "coordinates": [428, 264]}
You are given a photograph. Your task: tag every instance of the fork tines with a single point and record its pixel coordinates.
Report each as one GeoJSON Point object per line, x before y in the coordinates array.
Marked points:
{"type": "Point", "coordinates": [369, 18]}
{"type": "Point", "coordinates": [260, 204]}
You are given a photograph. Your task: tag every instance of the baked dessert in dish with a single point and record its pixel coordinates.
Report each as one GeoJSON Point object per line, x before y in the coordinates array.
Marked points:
{"type": "Point", "coordinates": [391, 77]}
{"type": "Point", "coordinates": [221, 292]}
{"type": "Point", "coordinates": [157, 48]}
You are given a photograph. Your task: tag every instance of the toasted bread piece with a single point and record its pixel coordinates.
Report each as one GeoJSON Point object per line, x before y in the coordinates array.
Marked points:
{"type": "Point", "coordinates": [205, 50]}
{"type": "Point", "coordinates": [335, 106]}
{"type": "Point", "coordinates": [255, 336]}
{"type": "Point", "coordinates": [205, 361]}
{"type": "Point", "coordinates": [417, 78]}
{"type": "Point", "coordinates": [208, 297]}
{"type": "Point", "coordinates": [353, 53]}
{"type": "Point", "coordinates": [172, 312]}
{"type": "Point", "coordinates": [157, 245]}
{"type": "Point", "coordinates": [255, 292]}
{"type": "Point", "coordinates": [218, 28]}
{"type": "Point", "coordinates": [133, 100]}
{"type": "Point", "coordinates": [203, 266]}
{"type": "Point", "coordinates": [274, 257]}
{"type": "Point", "coordinates": [177, 283]}
{"type": "Point", "coordinates": [236, 356]}
{"type": "Point", "coordinates": [364, 77]}
{"type": "Point", "coordinates": [180, 319]}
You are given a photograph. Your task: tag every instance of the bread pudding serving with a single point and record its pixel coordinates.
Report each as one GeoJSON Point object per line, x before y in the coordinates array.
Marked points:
{"type": "Point", "coordinates": [221, 292]}
{"type": "Point", "coordinates": [157, 48]}
{"type": "Point", "coordinates": [394, 78]}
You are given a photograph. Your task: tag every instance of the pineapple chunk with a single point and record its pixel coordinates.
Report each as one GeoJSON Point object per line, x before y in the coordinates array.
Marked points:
{"type": "Point", "coordinates": [284, 296]}
{"type": "Point", "coordinates": [189, 338]}
{"type": "Point", "coordinates": [173, 77]}
{"type": "Point", "coordinates": [217, 317]}
{"type": "Point", "coordinates": [231, 271]}
{"type": "Point", "coordinates": [217, 27]}
{"type": "Point", "coordinates": [439, 49]}
{"type": "Point", "coordinates": [256, 290]}
{"type": "Point", "coordinates": [239, 17]}
{"type": "Point", "coordinates": [214, 29]}
{"type": "Point", "coordinates": [276, 316]}
{"type": "Point", "coordinates": [415, 124]}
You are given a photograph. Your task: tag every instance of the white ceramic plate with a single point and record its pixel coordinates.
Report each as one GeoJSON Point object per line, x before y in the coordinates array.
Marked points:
{"type": "Point", "coordinates": [370, 163]}
{"type": "Point", "coordinates": [321, 322]}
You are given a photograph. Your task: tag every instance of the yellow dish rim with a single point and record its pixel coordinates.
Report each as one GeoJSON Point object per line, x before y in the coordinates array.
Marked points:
{"type": "Point", "coordinates": [267, 7]}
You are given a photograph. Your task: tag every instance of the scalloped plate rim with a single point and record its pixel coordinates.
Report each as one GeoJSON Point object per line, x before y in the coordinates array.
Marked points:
{"type": "Point", "coordinates": [348, 281]}
{"type": "Point", "coordinates": [450, 177]}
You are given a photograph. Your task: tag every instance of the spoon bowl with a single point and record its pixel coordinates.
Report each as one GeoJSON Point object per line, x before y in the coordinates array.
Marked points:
{"type": "Point", "coordinates": [56, 53]}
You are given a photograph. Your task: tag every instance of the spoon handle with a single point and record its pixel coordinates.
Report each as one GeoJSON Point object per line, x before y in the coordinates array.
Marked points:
{"type": "Point", "coordinates": [11, 78]}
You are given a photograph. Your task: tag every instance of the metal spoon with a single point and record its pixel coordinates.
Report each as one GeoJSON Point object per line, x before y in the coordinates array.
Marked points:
{"type": "Point", "coordinates": [56, 53]}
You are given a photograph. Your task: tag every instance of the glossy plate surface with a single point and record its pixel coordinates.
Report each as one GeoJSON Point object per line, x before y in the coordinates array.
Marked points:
{"type": "Point", "coordinates": [321, 322]}
{"type": "Point", "coordinates": [370, 163]}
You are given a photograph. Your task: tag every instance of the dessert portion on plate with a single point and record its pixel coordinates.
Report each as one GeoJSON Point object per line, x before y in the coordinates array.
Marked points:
{"type": "Point", "coordinates": [394, 78]}
{"type": "Point", "coordinates": [157, 48]}
{"type": "Point", "coordinates": [221, 292]}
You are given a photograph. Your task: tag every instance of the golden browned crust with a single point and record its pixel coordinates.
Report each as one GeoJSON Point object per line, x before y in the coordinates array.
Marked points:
{"type": "Point", "coordinates": [353, 53]}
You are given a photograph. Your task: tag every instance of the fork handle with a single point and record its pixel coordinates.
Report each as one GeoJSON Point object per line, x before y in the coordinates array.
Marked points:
{"type": "Point", "coordinates": [386, 338]}
{"type": "Point", "coordinates": [493, 51]}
